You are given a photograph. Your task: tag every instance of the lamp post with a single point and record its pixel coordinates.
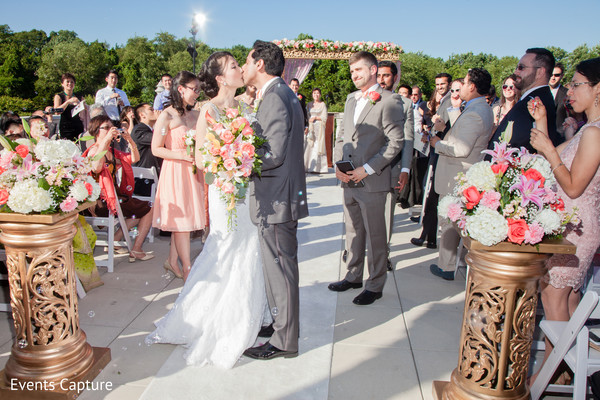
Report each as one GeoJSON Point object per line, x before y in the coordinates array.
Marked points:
{"type": "Point", "coordinates": [198, 21]}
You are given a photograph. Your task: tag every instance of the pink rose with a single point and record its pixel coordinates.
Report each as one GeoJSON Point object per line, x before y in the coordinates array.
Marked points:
{"type": "Point", "coordinates": [3, 196]}
{"type": "Point", "coordinates": [248, 149]}
{"type": "Point", "coordinates": [516, 230]}
{"type": "Point", "coordinates": [218, 127]}
{"type": "Point", "coordinates": [238, 123]}
{"type": "Point", "coordinates": [232, 112]}
{"type": "Point", "coordinates": [68, 204]}
{"type": "Point", "coordinates": [373, 96]}
{"type": "Point", "coordinates": [491, 200]}
{"type": "Point", "coordinates": [215, 150]}
{"type": "Point", "coordinates": [225, 150]}
{"type": "Point", "coordinates": [499, 169]}
{"type": "Point", "coordinates": [473, 197]}
{"type": "Point", "coordinates": [227, 187]}
{"type": "Point", "coordinates": [227, 136]}
{"type": "Point", "coordinates": [454, 212]}
{"type": "Point", "coordinates": [22, 150]}
{"type": "Point", "coordinates": [248, 131]}
{"type": "Point", "coordinates": [247, 172]}
{"type": "Point", "coordinates": [535, 234]}
{"type": "Point", "coordinates": [229, 164]}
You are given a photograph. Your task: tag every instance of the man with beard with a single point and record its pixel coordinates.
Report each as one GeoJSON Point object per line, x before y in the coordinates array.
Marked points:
{"type": "Point", "coordinates": [532, 76]}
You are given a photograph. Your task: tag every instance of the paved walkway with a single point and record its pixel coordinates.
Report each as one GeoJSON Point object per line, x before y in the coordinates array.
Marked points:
{"type": "Point", "coordinates": [392, 349]}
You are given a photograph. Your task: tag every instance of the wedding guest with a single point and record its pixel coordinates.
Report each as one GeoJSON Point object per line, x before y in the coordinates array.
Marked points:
{"type": "Point", "coordinates": [370, 140]}
{"type": "Point", "coordinates": [112, 98]}
{"type": "Point", "coordinates": [248, 97]}
{"type": "Point", "coordinates": [461, 148]}
{"type": "Point", "coordinates": [405, 90]}
{"type": "Point", "coordinates": [295, 86]}
{"type": "Point", "coordinates": [442, 87]}
{"type": "Point", "coordinates": [315, 153]}
{"type": "Point", "coordinates": [491, 97]}
{"type": "Point", "coordinates": [47, 116]}
{"type": "Point", "coordinates": [509, 97]}
{"type": "Point", "coordinates": [162, 99]}
{"type": "Point", "coordinates": [70, 127]}
{"type": "Point", "coordinates": [179, 205]}
{"type": "Point", "coordinates": [429, 230]}
{"type": "Point", "coordinates": [531, 78]}
{"type": "Point", "coordinates": [13, 129]}
{"type": "Point", "coordinates": [575, 165]}
{"type": "Point", "coordinates": [142, 136]}
{"type": "Point", "coordinates": [136, 212]}
{"type": "Point", "coordinates": [559, 92]}
{"type": "Point", "coordinates": [6, 116]}
{"type": "Point", "coordinates": [38, 127]}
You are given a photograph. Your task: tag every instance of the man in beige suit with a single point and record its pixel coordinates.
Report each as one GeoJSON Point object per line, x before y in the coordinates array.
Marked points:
{"type": "Point", "coordinates": [372, 134]}
{"type": "Point", "coordinates": [460, 149]}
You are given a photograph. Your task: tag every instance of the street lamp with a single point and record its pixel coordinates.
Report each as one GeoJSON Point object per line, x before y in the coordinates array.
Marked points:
{"type": "Point", "coordinates": [198, 21]}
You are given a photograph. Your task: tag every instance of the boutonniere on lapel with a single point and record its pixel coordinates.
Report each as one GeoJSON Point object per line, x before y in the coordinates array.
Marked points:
{"type": "Point", "coordinates": [373, 97]}
{"type": "Point", "coordinates": [299, 96]}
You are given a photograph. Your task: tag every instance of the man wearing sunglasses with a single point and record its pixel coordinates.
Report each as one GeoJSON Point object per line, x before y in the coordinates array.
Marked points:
{"type": "Point", "coordinates": [560, 93]}
{"type": "Point", "coordinates": [532, 76]}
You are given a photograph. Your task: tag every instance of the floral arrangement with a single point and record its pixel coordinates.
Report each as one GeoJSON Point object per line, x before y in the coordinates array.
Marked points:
{"type": "Point", "coordinates": [230, 158]}
{"type": "Point", "coordinates": [45, 176]}
{"type": "Point", "coordinates": [511, 198]}
{"type": "Point", "coordinates": [337, 46]}
{"type": "Point", "coordinates": [190, 146]}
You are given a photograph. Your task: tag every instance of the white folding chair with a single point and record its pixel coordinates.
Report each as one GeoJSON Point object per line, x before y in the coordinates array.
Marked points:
{"type": "Point", "coordinates": [571, 344]}
{"type": "Point", "coordinates": [147, 173]}
{"type": "Point", "coordinates": [106, 226]}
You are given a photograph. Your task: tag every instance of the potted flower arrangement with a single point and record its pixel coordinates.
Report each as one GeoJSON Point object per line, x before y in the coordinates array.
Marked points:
{"type": "Point", "coordinates": [512, 198]}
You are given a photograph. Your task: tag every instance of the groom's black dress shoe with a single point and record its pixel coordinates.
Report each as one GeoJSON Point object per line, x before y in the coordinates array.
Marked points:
{"type": "Point", "coordinates": [367, 297]}
{"type": "Point", "coordinates": [420, 242]}
{"type": "Point", "coordinates": [415, 219]}
{"type": "Point", "coordinates": [267, 351]}
{"type": "Point", "coordinates": [344, 285]}
{"type": "Point", "coordinates": [266, 331]}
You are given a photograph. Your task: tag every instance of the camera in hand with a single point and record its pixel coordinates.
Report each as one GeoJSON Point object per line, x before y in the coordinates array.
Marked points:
{"type": "Point", "coordinates": [54, 111]}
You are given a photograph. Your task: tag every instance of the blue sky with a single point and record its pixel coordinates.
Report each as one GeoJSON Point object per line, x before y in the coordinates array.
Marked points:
{"type": "Point", "coordinates": [434, 27]}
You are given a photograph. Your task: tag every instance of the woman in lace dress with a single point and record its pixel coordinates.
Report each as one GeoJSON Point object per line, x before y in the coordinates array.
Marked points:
{"type": "Point", "coordinates": [575, 165]}
{"type": "Point", "coordinates": [315, 153]}
{"type": "Point", "coordinates": [179, 203]}
{"type": "Point", "coordinates": [218, 313]}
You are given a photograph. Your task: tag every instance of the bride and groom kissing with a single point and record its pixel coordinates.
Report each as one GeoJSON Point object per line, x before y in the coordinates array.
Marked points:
{"type": "Point", "coordinates": [220, 310]}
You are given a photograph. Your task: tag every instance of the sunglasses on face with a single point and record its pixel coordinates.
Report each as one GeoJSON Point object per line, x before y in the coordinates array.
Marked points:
{"type": "Point", "coordinates": [507, 87]}
{"type": "Point", "coordinates": [454, 90]}
{"type": "Point", "coordinates": [557, 75]}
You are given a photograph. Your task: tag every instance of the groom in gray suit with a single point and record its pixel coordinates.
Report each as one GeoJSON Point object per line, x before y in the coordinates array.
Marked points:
{"type": "Point", "coordinates": [372, 135]}
{"type": "Point", "coordinates": [277, 196]}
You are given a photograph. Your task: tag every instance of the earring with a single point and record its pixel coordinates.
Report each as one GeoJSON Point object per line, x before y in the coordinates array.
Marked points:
{"type": "Point", "coordinates": [224, 83]}
{"type": "Point", "coordinates": [596, 102]}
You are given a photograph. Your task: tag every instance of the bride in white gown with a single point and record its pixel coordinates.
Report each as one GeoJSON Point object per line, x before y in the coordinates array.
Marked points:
{"type": "Point", "coordinates": [221, 307]}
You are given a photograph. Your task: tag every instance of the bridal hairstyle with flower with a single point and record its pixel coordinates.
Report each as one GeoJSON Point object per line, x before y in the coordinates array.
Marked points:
{"type": "Point", "coordinates": [181, 79]}
{"type": "Point", "coordinates": [271, 55]}
{"type": "Point", "coordinates": [211, 68]}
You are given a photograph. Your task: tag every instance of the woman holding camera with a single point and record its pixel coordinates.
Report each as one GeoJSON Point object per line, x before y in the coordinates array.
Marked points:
{"type": "Point", "coordinates": [70, 126]}
{"type": "Point", "coordinates": [136, 212]}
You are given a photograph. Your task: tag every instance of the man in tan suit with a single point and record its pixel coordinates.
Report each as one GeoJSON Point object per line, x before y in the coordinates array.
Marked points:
{"type": "Point", "coordinates": [372, 135]}
{"type": "Point", "coordinates": [460, 149]}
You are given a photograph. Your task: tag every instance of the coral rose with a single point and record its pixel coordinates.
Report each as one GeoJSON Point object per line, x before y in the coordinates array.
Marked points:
{"type": "Point", "coordinates": [499, 169]}
{"type": "Point", "coordinates": [373, 96]}
{"type": "Point", "coordinates": [229, 164]}
{"type": "Point", "coordinates": [248, 149]}
{"type": "Point", "coordinates": [22, 150]}
{"type": "Point", "coordinates": [516, 230]}
{"type": "Point", "coordinates": [227, 136]}
{"type": "Point", "coordinates": [232, 112]}
{"type": "Point", "coordinates": [473, 197]}
{"type": "Point", "coordinates": [559, 205]}
{"type": "Point", "coordinates": [248, 131]}
{"type": "Point", "coordinates": [3, 196]}
{"type": "Point", "coordinates": [534, 174]}
{"type": "Point", "coordinates": [239, 123]}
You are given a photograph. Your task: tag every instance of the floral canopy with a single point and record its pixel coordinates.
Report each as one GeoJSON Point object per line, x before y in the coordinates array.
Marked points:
{"type": "Point", "coordinates": [301, 54]}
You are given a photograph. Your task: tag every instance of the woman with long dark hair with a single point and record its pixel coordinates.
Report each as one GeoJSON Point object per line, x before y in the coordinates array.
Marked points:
{"type": "Point", "coordinates": [179, 205]}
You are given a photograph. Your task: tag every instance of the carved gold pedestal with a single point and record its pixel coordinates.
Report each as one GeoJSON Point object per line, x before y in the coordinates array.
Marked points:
{"type": "Point", "coordinates": [50, 352]}
{"type": "Point", "coordinates": [498, 320]}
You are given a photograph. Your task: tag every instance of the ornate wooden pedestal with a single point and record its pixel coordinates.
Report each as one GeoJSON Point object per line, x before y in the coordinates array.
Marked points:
{"type": "Point", "coordinates": [498, 321]}
{"type": "Point", "coordinates": [50, 354]}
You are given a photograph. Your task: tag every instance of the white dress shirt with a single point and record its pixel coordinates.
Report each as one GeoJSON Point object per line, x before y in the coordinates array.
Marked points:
{"type": "Point", "coordinates": [110, 105]}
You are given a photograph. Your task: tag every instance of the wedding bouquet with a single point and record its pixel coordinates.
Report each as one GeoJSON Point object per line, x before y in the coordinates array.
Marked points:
{"type": "Point", "coordinates": [512, 198]}
{"type": "Point", "coordinates": [190, 146]}
{"type": "Point", "coordinates": [230, 157]}
{"type": "Point", "coordinates": [44, 176]}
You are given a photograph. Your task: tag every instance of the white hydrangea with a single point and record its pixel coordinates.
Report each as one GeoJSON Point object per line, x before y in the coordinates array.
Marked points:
{"type": "Point", "coordinates": [26, 197]}
{"type": "Point", "coordinates": [487, 226]}
{"type": "Point", "coordinates": [543, 166]}
{"type": "Point", "coordinates": [78, 191]}
{"type": "Point", "coordinates": [55, 152]}
{"type": "Point", "coordinates": [444, 203]}
{"type": "Point", "coordinates": [549, 220]}
{"type": "Point", "coordinates": [481, 176]}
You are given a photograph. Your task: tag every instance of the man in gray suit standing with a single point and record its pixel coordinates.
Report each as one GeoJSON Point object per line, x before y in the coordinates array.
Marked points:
{"type": "Point", "coordinates": [461, 148]}
{"type": "Point", "coordinates": [372, 135]}
{"type": "Point", "coordinates": [278, 195]}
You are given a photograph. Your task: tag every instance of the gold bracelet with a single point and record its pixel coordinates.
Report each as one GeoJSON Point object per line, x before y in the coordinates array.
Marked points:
{"type": "Point", "coordinates": [557, 166]}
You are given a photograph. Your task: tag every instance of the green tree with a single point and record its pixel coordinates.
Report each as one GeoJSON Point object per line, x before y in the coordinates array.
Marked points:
{"type": "Point", "coordinates": [140, 68]}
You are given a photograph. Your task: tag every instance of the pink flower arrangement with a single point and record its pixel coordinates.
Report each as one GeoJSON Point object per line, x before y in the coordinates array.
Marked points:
{"type": "Point", "coordinates": [511, 198]}
{"type": "Point", "coordinates": [315, 44]}
{"type": "Point", "coordinates": [230, 158]}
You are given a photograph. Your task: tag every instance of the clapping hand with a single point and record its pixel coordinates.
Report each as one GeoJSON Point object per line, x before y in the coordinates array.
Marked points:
{"type": "Point", "coordinates": [536, 108]}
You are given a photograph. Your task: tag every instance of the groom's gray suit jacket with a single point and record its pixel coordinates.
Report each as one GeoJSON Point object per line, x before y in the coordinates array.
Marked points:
{"type": "Point", "coordinates": [279, 194]}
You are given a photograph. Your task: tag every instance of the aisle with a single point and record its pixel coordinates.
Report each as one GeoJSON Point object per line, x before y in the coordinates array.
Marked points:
{"type": "Point", "coordinates": [304, 377]}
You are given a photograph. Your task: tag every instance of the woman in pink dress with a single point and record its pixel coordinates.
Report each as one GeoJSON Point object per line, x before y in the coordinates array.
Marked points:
{"type": "Point", "coordinates": [575, 165]}
{"type": "Point", "coordinates": [179, 206]}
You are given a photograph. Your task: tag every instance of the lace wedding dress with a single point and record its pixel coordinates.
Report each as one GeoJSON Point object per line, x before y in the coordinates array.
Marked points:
{"type": "Point", "coordinates": [223, 303]}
